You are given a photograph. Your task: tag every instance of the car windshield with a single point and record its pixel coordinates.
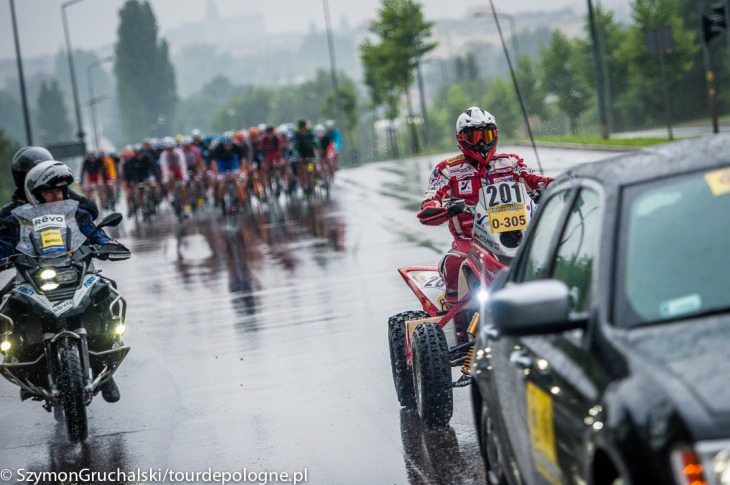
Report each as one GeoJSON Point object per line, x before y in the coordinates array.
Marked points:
{"type": "Point", "coordinates": [674, 257]}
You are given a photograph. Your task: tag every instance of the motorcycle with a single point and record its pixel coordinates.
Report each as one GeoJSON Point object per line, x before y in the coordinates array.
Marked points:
{"type": "Point", "coordinates": [61, 322]}
{"type": "Point", "coordinates": [423, 344]}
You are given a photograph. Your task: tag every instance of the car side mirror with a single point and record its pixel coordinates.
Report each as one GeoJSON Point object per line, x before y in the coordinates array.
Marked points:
{"type": "Point", "coordinates": [533, 308]}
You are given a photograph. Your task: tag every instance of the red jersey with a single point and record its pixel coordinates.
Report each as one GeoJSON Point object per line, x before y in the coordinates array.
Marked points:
{"type": "Point", "coordinates": [461, 177]}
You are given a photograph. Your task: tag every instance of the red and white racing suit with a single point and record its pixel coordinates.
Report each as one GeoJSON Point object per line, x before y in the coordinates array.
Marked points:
{"type": "Point", "coordinates": [173, 165]}
{"type": "Point", "coordinates": [461, 177]}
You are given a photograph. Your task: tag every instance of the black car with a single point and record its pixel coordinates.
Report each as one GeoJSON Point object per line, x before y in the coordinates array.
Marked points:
{"type": "Point", "coordinates": [603, 353]}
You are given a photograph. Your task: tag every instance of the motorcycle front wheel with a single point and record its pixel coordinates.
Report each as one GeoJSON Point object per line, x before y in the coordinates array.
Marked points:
{"type": "Point", "coordinates": [72, 391]}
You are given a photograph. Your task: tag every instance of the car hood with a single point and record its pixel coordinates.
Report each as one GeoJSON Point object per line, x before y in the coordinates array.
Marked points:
{"type": "Point", "coordinates": [691, 359]}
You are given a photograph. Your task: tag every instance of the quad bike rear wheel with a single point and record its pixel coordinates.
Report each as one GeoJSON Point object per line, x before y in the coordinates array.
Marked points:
{"type": "Point", "coordinates": [402, 376]}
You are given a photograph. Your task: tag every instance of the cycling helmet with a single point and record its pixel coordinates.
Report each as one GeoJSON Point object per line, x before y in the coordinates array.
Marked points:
{"type": "Point", "coordinates": [329, 124]}
{"type": "Point", "coordinates": [261, 127]}
{"type": "Point", "coordinates": [227, 138]}
{"type": "Point", "coordinates": [476, 134]}
{"type": "Point", "coordinates": [50, 174]}
{"type": "Point", "coordinates": [319, 130]}
{"type": "Point", "coordinates": [195, 133]}
{"type": "Point", "coordinates": [25, 159]}
{"type": "Point", "coordinates": [253, 132]}
{"type": "Point", "coordinates": [301, 123]}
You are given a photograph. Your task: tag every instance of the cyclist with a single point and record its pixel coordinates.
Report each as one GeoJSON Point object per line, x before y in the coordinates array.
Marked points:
{"type": "Point", "coordinates": [305, 150]}
{"type": "Point", "coordinates": [139, 169]}
{"type": "Point", "coordinates": [175, 176]}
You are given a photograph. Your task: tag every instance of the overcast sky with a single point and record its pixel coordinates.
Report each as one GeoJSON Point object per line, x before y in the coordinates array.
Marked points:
{"type": "Point", "coordinates": [93, 23]}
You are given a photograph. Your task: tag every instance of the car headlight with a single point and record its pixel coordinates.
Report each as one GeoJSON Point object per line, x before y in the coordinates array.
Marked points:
{"type": "Point", "coordinates": [708, 463]}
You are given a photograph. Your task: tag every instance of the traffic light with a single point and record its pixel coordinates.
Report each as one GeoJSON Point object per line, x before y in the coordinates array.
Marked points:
{"type": "Point", "coordinates": [714, 23]}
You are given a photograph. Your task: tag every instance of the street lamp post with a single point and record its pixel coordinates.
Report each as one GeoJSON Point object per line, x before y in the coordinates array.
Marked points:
{"type": "Point", "coordinates": [333, 66]}
{"type": "Point", "coordinates": [417, 56]}
{"type": "Point", "coordinates": [80, 134]}
{"type": "Point", "coordinates": [26, 116]}
{"type": "Point", "coordinates": [92, 99]}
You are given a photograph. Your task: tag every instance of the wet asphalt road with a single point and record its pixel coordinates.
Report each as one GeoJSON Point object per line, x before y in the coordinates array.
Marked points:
{"type": "Point", "coordinates": [260, 344]}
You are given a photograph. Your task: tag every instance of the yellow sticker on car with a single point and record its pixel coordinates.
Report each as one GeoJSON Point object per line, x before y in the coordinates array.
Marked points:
{"type": "Point", "coordinates": [719, 181]}
{"type": "Point", "coordinates": [542, 434]}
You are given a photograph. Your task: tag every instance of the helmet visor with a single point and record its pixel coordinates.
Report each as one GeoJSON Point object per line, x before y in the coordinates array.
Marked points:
{"type": "Point", "coordinates": [474, 137]}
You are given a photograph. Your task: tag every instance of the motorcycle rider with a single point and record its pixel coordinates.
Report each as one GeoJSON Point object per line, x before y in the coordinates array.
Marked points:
{"type": "Point", "coordinates": [45, 183]}
{"type": "Point", "coordinates": [25, 159]}
{"type": "Point", "coordinates": [462, 177]}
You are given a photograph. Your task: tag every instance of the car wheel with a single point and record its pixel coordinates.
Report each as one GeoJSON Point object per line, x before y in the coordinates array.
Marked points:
{"type": "Point", "coordinates": [491, 454]}
{"type": "Point", "coordinates": [397, 343]}
{"type": "Point", "coordinates": [432, 375]}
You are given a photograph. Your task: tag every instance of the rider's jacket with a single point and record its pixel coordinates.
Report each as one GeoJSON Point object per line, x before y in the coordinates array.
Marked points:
{"type": "Point", "coordinates": [305, 144]}
{"type": "Point", "coordinates": [335, 137]}
{"type": "Point", "coordinates": [10, 232]}
{"type": "Point", "coordinates": [110, 168]}
{"type": "Point", "coordinates": [94, 169]}
{"type": "Point", "coordinates": [139, 168]}
{"type": "Point", "coordinates": [226, 159]}
{"type": "Point", "coordinates": [173, 165]}
{"type": "Point", "coordinates": [462, 177]}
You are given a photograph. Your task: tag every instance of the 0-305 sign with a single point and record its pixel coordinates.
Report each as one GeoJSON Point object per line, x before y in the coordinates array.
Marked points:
{"type": "Point", "coordinates": [506, 209]}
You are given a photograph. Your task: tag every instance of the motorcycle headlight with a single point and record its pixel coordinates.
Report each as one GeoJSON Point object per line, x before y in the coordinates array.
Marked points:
{"type": "Point", "coordinates": [49, 279]}
{"type": "Point", "coordinates": [4, 346]}
{"type": "Point", "coordinates": [120, 329]}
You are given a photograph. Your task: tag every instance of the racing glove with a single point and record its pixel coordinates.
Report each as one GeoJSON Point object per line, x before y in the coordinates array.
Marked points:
{"type": "Point", "coordinates": [433, 215]}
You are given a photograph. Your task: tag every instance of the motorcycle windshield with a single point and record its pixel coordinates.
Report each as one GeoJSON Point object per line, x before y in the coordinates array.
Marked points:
{"type": "Point", "coordinates": [49, 230]}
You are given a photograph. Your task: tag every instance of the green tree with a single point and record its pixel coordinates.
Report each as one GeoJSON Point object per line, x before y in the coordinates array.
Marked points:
{"type": "Point", "coordinates": [7, 149]}
{"type": "Point", "coordinates": [11, 117]}
{"type": "Point", "coordinates": [389, 64]}
{"type": "Point", "coordinates": [561, 77]}
{"type": "Point", "coordinates": [244, 111]}
{"type": "Point", "coordinates": [347, 100]}
{"type": "Point", "coordinates": [146, 90]}
{"type": "Point", "coordinates": [52, 122]}
{"type": "Point", "coordinates": [501, 101]}
{"type": "Point", "coordinates": [642, 99]}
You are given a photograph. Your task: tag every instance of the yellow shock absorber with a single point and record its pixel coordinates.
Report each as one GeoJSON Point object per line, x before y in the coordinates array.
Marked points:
{"type": "Point", "coordinates": [467, 361]}
{"type": "Point", "coordinates": [471, 331]}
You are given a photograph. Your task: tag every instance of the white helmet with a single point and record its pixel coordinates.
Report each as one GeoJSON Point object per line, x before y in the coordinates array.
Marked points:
{"type": "Point", "coordinates": [50, 174]}
{"type": "Point", "coordinates": [475, 120]}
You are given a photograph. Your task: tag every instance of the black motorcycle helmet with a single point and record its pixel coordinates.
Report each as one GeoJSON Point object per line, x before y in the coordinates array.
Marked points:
{"type": "Point", "coordinates": [25, 159]}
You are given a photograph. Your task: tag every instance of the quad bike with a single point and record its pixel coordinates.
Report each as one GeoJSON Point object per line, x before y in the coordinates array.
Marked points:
{"type": "Point", "coordinates": [423, 342]}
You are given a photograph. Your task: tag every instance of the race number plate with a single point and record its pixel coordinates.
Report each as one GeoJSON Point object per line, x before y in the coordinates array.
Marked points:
{"type": "Point", "coordinates": [506, 206]}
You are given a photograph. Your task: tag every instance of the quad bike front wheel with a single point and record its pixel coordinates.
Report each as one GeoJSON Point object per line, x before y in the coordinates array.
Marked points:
{"type": "Point", "coordinates": [432, 375]}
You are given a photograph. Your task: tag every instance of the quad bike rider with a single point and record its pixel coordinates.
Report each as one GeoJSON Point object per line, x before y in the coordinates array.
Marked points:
{"type": "Point", "coordinates": [487, 200]}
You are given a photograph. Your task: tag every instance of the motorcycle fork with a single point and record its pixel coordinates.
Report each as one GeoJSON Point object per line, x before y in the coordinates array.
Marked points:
{"type": "Point", "coordinates": [51, 362]}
